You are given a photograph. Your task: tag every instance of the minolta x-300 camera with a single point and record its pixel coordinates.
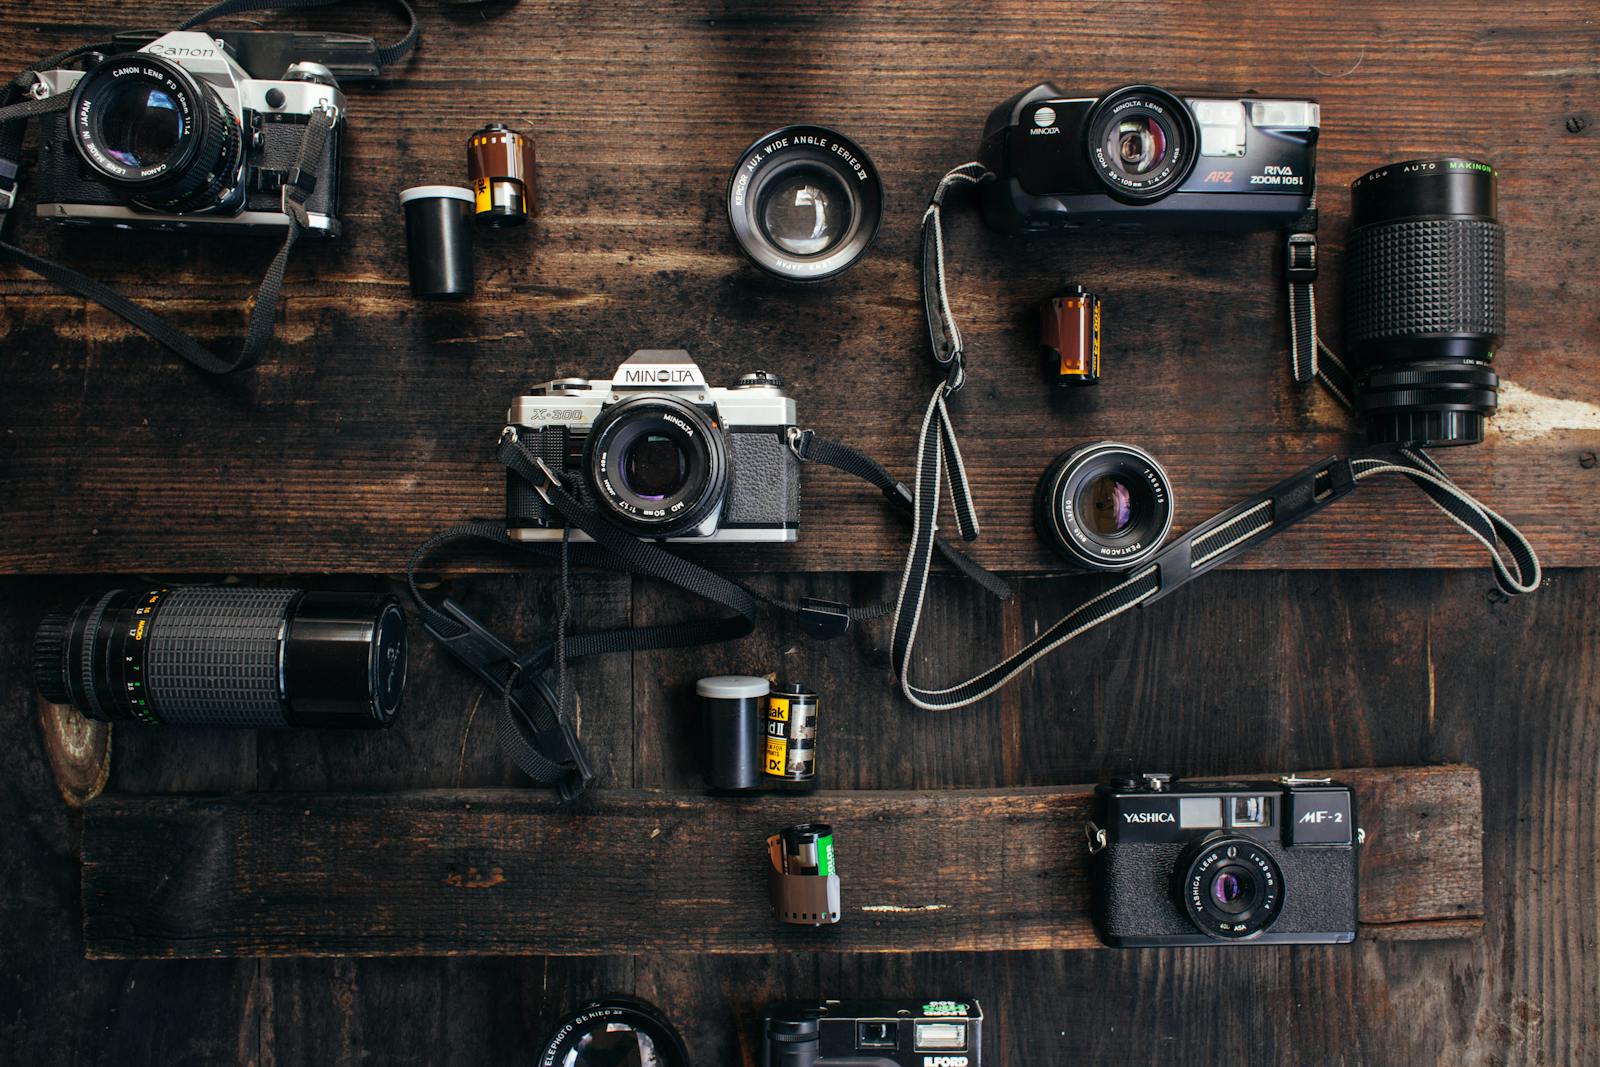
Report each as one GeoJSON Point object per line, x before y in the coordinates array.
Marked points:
{"type": "Point", "coordinates": [874, 1033]}
{"type": "Point", "coordinates": [662, 454]}
{"type": "Point", "coordinates": [178, 132]}
{"type": "Point", "coordinates": [1142, 158]}
{"type": "Point", "coordinates": [1198, 863]}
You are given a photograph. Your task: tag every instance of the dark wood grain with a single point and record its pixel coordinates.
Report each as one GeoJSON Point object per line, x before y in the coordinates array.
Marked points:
{"type": "Point", "coordinates": [504, 873]}
{"type": "Point", "coordinates": [372, 422]}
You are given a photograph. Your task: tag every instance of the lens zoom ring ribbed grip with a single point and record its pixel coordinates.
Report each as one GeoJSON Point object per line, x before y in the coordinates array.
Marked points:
{"type": "Point", "coordinates": [1428, 277]}
{"type": "Point", "coordinates": [213, 657]}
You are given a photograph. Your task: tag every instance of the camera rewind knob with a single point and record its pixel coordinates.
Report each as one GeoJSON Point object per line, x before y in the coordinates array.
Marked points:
{"type": "Point", "coordinates": [759, 379]}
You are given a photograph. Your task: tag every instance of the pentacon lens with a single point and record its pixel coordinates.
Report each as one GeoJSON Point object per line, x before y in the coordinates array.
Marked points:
{"type": "Point", "coordinates": [615, 1032]}
{"type": "Point", "coordinates": [1425, 300]}
{"type": "Point", "coordinates": [153, 131]}
{"type": "Point", "coordinates": [1105, 506]}
{"type": "Point", "coordinates": [804, 203]}
{"type": "Point", "coordinates": [657, 465]}
{"type": "Point", "coordinates": [1141, 142]}
{"type": "Point", "coordinates": [226, 656]}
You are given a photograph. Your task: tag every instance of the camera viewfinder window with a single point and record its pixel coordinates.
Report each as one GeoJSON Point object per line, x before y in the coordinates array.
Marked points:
{"type": "Point", "coordinates": [1252, 811]}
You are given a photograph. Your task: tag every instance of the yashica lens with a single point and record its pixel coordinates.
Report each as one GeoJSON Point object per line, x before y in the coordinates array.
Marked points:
{"type": "Point", "coordinates": [153, 131]}
{"type": "Point", "coordinates": [804, 203]}
{"type": "Point", "coordinates": [1230, 887]}
{"type": "Point", "coordinates": [1141, 142]}
{"type": "Point", "coordinates": [226, 656]}
{"type": "Point", "coordinates": [1425, 300]}
{"type": "Point", "coordinates": [1105, 506]}
{"type": "Point", "coordinates": [657, 465]}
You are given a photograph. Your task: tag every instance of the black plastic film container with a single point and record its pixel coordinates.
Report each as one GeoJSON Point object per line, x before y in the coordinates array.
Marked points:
{"type": "Point", "coordinates": [439, 240]}
{"type": "Point", "coordinates": [733, 710]}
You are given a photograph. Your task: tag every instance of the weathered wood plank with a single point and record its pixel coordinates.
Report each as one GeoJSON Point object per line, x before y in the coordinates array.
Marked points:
{"type": "Point", "coordinates": [372, 423]}
{"type": "Point", "coordinates": [494, 872]}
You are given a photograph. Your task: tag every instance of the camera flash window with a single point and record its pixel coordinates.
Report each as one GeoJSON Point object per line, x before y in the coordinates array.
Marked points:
{"type": "Point", "coordinates": [941, 1037]}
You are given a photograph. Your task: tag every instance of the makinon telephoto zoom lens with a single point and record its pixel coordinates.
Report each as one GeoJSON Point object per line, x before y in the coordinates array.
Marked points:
{"type": "Point", "coordinates": [226, 656]}
{"type": "Point", "coordinates": [1104, 507]}
{"type": "Point", "coordinates": [804, 203]}
{"type": "Point", "coordinates": [615, 1032]}
{"type": "Point", "coordinates": [1425, 300]}
{"type": "Point", "coordinates": [156, 133]}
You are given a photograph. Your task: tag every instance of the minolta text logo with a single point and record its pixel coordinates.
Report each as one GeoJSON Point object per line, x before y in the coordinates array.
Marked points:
{"type": "Point", "coordinates": [658, 376]}
{"type": "Point", "coordinates": [944, 1061]}
{"type": "Point", "coordinates": [1322, 816]}
{"type": "Point", "coordinates": [1148, 816]}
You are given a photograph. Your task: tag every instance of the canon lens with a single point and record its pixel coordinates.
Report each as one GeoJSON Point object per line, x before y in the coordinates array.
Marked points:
{"type": "Point", "coordinates": [1425, 300]}
{"type": "Point", "coordinates": [226, 656]}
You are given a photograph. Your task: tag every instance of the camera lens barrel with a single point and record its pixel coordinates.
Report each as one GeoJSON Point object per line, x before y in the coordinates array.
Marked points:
{"type": "Point", "coordinates": [1105, 506]}
{"type": "Point", "coordinates": [657, 465]}
{"type": "Point", "coordinates": [226, 656]}
{"type": "Point", "coordinates": [1230, 887]}
{"type": "Point", "coordinates": [804, 203]}
{"type": "Point", "coordinates": [612, 1031]}
{"type": "Point", "coordinates": [1425, 299]}
{"type": "Point", "coordinates": [1141, 142]}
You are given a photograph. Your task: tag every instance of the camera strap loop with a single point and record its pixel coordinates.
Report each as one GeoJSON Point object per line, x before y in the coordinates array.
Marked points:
{"type": "Point", "coordinates": [948, 350]}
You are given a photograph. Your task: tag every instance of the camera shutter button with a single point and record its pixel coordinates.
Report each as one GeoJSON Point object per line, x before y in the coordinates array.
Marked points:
{"type": "Point", "coordinates": [275, 98]}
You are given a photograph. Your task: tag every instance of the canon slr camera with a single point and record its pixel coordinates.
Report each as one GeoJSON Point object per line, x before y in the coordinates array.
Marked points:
{"type": "Point", "coordinates": [873, 1033]}
{"type": "Point", "coordinates": [1142, 158]}
{"type": "Point", "coordinates": [660, 453]}
{"type": "Point", "coordinates": [179, 134]}
{"type": "Point", "coordinates": [1207, 863]}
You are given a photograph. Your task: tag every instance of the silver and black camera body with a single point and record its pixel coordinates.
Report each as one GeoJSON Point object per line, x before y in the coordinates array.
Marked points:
{"type": "Point", "coordinates": [1207, 863]}
{"type": "Point", "coordinates": [873, 1033]}
{"type": "Point", "coordinates": [1142, 158]}
{"type": "Point", "coordinates": [178, 134]}
{"type": "Point", "coordinates": [662, 454]}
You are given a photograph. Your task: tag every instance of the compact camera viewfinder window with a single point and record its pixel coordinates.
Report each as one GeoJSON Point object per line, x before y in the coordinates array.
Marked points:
{"type": "Point", "coordinates": [1252, 811]}
{"type": "Point", "coordinates": [1200, 813]}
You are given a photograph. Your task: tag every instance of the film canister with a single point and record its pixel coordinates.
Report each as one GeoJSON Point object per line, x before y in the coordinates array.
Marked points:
{"type": "Point", "coordinates": [733, 708]}
{"type": "Point", "coordinates": [500, 164]}
{"type": "Point", "coordinates": [791, 749]}
{"type": "Point", "coordinates": [808, 849]}
{"type": "Point", "coordinates": [1069, 337]}
{"type": "Point", "coordinates": [439, 240]}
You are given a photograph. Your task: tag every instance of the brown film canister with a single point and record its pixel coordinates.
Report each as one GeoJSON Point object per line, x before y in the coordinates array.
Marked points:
{"type": "Point", "coordinates": [1069, 337]}
{"type": "Point", "coordinates": [500, 164]}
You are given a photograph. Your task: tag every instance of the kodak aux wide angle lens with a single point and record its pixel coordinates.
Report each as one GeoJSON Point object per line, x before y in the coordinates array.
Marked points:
{"type": "Point", "coordinates": [1425, 300]}
{"type": "Point", "coordinates": [226, 656]}
{"type": "Point", "coordinates": [804, 203]}
{"type": "Point", "coordinates": [615, 1032]}
{"type": "Point", "coordinates": [1105, 506]}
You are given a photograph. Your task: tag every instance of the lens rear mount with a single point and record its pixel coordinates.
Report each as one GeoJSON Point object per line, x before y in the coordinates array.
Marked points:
{"type": "Point", "coordinates": [1141, 143]}
{"type": "Point", "coordinates": [1105, 506]}
{"type": "Point", "coordinates": [1229, 887]}
{"type": "Point", "coordinates": [804, 203]}
{"type": "Point", "coordinates": [657, 465]}
{"type": "Point", "coordinates": [153, 131]}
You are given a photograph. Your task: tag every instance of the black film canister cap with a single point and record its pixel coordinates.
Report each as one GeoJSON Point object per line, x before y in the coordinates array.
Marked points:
{"type": "Point", "coordinates": [439, 240]}
{"type": "Point", "coordinates": [344, 660]}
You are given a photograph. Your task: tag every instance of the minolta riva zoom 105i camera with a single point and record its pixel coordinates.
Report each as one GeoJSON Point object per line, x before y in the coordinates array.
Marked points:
{"type": "Point", "coordinates": [1143, 158]}
{"type": "Point", "coordinates": [662, 454]}
{"type": "Point", "coordinates": [874, 1033]}
{"type": "Point", "coordinates": [177, 133]}
{"type": "Point", "coordinates": [1197, 863]}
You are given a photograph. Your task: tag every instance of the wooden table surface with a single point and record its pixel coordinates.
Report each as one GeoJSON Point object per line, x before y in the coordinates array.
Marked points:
{"type": "Point", "coordinates": [371, 424]}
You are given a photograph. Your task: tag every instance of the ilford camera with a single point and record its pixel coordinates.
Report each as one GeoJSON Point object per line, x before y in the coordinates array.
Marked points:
{"type": "Point", "coordinates": [935, 1033]}
{"type": "Point", "coordinates": [662, 454]}
{"type": "Point", "coordinates": [179, 134]}
{"type": "Point", "coordinates": [1143, 158]}
{"type": "Point", "coordinates": [1197, 863]}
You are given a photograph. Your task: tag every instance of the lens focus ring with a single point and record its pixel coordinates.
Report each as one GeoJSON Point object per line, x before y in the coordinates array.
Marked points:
{"type": "Point", "coordinates": [1426, 278]}
{"type": "Point", "coordinates": [214, 657]}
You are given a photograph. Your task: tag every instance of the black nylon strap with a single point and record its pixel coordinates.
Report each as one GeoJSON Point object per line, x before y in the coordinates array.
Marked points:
{"type": "Point", "coordinates": [1300, 271]}
{"type": "Point", "coordinates": [387, 54]}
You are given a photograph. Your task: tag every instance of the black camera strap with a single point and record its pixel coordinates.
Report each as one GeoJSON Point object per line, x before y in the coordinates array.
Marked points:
{"type": "Point", "coordinates": [299, 184]}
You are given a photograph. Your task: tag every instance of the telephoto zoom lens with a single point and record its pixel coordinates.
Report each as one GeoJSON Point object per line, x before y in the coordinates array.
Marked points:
{"type": "Point", "coordinates": [1425, 300]}
{"type": "Point", "coordinates": [226, 656]}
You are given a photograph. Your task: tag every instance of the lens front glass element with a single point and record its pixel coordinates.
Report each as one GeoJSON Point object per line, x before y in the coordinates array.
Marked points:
{"type": "Point", "coordinates": [1234, 890]}
{"type": "Point", "coordinates": [613, 1045]}
{"type": "Point", "coordinates": [1106, 506]}
{"type": "Point", "coordinates": [141, 124]}
{"type": "Point", "coordinates": [655, 466]}
{"type": "Point", "coordinates": [1137, 144]}
{"type": "Point", "coordinates": [806, 211]}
